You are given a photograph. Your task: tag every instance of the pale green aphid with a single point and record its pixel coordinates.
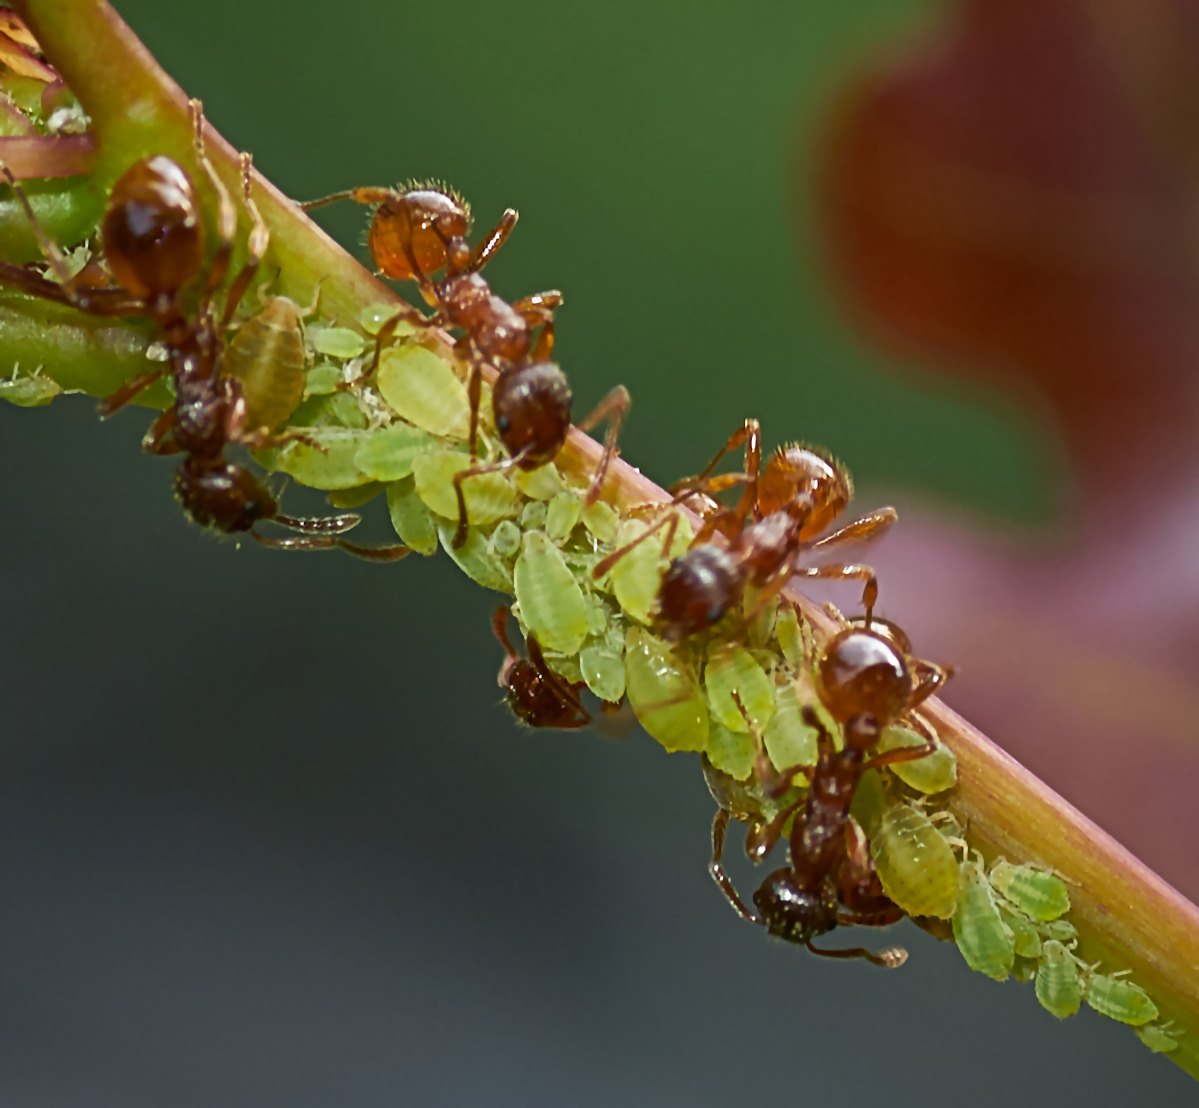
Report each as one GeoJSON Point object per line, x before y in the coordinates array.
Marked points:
{"type": "Point", "coordinates": [349, 499]}
{"type": "Point", "coordinates": [388, 454]}
{"type": "Point", "coordinates": [790, 638]}
{"type": "Point", "coordinates": [542, 483]}
{"type": "Point", "coordinates": [1112, 996]}
{"type": "Point", "coordinates": [731, 668]}
{"type": "Point", "coordinates": [532, 516]}
{"type": "Point", "coordinates": [551, 602]}
{"type": "Point", "coordinates": [932, 774]}
{"type": "Point", "coordinates": [422, 388]}
{"type": "Point", "coordinates": [336, 342]}
{"type": "Point", "coordinates": [915, 864]}
{"type": "Point", "coordinates": [1059, 988]}
{"type": "Point", "coordinates": [732, 752]}
{"type": "Point", "coordinates": [323, 379]}
{"type": "Point", "coordinates": [1038, 894]}
{"type": "Point", "coordinates": [789, 741]}
{"type": "Point", "coordinates": [412, 521]}
{"type": "Point", "coordinates": [29, 392]}
{"type": "Point", "coordinates": [1158, 1037]}
{"type": "Point", "coordinates": [372, 319]}
{"type": "Point", "coordinates": [337, 410]}
{"type": "Point", "coordinates": [664, 692]}
{"type": "Point", "coordinates": [561, 515]}
{"type": "Point", "coordinates": [601, 519]}
{"type": "Point", "coordinates": [1025, 938]}
{"type": "Point", "coordinates": [603, 671]}
{"type": "Point", "coordinates": [475, 558]}
{"type": "Point", "coordinates": [637, 577]}
{"type": "Point", "coordinates": [982, 937]}
{"type": "Point", "coordinates": [761, 627]}
{"type": "Point", "coordinates": [489, 497]}
{"type": "Point", "coordinates": [505, 539]}
{"type": "Point", "coordinates": [597, 620]}
{"type": "Point", "coordinates": [336, 468]}
{"type": "Point", "coordinates": [1061, 929]}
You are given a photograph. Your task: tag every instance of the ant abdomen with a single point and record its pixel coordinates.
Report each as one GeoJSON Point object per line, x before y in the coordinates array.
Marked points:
{"type": "Point", "coordinates": [225, 496]}
{"type": "Point", "coordinates": [792, 912]}
{"type": "Point", "coordinates": [862, 674]}
{"type": "Point", "coordinates": [696, 591]}
{"type": "Point", "coordinates": [531, 405]}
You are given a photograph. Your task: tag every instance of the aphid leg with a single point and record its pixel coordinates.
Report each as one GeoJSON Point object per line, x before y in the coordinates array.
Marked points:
{"type": "Point", "coordinates": [554, 680]}
{"type": "Point", "coordinates": [493, 240]}
{"type": "Point", "coordinates": [477, 471]}
{"type": "Point", "coordinates": [114, 401]}
{"type": "Point", "coordinates": [226, 214]}
{"type": "Point", "coordinates": [748, 434]}
{"type": "Point", "coordinates": [716, 868]}
{"type": "Point", "coordinates": [256, 244]}
{"type": "Point", "coordinates": [929, 678]}
{"type": "Point", "coordinates": [842, 573]}
{"type": "Point", "coordinates": [613, 408]}
{"type": "Point", "coordinates": [670, 522]}
{"type": "Point", "coordinates": [774, 782]}
{"type": "Point", "coordinates": [891, 958]}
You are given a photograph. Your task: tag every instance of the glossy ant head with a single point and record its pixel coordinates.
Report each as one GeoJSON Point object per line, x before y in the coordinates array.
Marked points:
{"type": "Point", "coordinates": [862, 674]}
{"type": "Point", "coordinates": [151, 232]}
{"type": "Point", "coordinates": [223, 495]}
{"type": "Point", "coordinates": [531, 405]}
{"type": "Point", "coordinates": [696, 591]}
{"type": "Point", "coordinates": [426, 219]}
{"type": "Point", "coordinates": [792, 912]}
{"type": "Point", "coordinates": [807, 483]}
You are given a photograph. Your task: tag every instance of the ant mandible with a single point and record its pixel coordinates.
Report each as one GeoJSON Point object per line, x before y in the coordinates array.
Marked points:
{"type": "Point", "coordinates": [421, 229]}
{"type": "Point", "coordinates": [791, 503]}
{"type": "Point", "coordinates": [866, 683]}
{"type": "Point", "coordinates": [154, 242]}
{"type": "Point", "coordinates": [536, 694]}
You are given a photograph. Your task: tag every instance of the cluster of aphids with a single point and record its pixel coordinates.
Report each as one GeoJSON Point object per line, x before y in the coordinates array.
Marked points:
{"type": "Point", "coordinates": [677, 606]}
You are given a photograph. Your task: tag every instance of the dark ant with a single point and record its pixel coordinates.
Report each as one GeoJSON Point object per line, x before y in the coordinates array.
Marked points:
{"type": "Point", "coordinates": [536, 694]}
{"type": "Point", "coordinates": [781, 514]}
{"type": "Point", "coordinates": [865, 682]}
{"type": "Point", "coordinates": [421, 229]}
{"type": "Point", "coordinates": [154, 242]}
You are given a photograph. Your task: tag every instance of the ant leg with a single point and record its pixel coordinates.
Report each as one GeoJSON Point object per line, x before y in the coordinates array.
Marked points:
{"type": "Point", "coordinates": [538, 310]}
{"type": "Point", "coordinates": [760, 840]}
{"type": "Point", "coordinates": [114, 401]}
{"type": "Point", "coordinates": [477, 471]}
{"type": "Point", "coordinates": [613, 408]}
{"type": "Point", "coordinates": [227, 216]}
{"type": "Point", "coordinates": [774, 782]}
{"type": "Point", "coordinates": [404, 314]}
{"type": "Point", "coordinates": [155, 440]}
{"type": "Point", "coordinates": [256, 245]}
{"type": "Point", "coordinates": [891, 958]}
{"type": "Point", "coordinates": [843, 573]}
{"type": "Point", "coordinates": [670, 522]}
{"type": "Point", "coordinates": [492, 241]}
{"type": "Point", "coordinates": [716, 868]}
{"type": "Point", "coordinates": [555, 680]}
{"type": "Point", "coordinates": [49, 248]}
{"type": "Point", "coordinates": [930, 678]}
{"type": "Point", "coordinates": [499, 628]}
{"type": "Point", "coordinates": [824, 741]}
{"type": "Point", "coordinates": [474, 393]}
{"type": "Point", "coordinates": [748, 434]}
{"type": "Point", "coordinates": [388, 553]}
{"type": "Point", "coordinates": [902, 754]}
{"type": "Point", "coordinates": [322, 525]}
{"type": "Point", "coordinates": [861, 530]}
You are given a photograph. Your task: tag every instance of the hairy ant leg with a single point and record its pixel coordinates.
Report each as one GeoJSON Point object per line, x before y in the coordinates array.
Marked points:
{"type": "Point", "coordinates": [493, 240]}
{"type": "Point", "coordinates": [749, 435]}
{"type": "Point", "coordinates": [613, 407]}
{"type": "Point", "coordinates": [716, 868]}
{"type": "Point", "coordinates": [256, 244]}
{"type": "Point", "coordinates": [226, 214]}
{"type": "Point", "coordinates": [890, 958]}
{"type": "Point", "coordinates": [670, 521]}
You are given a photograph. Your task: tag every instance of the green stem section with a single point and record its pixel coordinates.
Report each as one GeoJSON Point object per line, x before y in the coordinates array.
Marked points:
{"type": "Point", "coordinates": [1126, 916]}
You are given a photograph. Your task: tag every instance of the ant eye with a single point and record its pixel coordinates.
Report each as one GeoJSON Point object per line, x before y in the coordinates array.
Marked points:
{"type": "Point", "coordinates": [502, 423]}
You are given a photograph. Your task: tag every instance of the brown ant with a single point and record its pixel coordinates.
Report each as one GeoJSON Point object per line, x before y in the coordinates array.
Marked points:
{"type": "Point", "coordinates": [536, 694]}
{"type": "Point", "coordinates": [415, 232]}
{"type": "Point", "coordinates": [784, 509]}
{"type": "Point", "coordinates": [865, 682]}
{"type": "Point", "coordinates": [154, 242]}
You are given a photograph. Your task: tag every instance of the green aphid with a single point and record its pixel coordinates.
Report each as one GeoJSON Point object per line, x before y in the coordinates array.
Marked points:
{"type": "Point", "coordinates": [1112, 996]}
{"type": "Point", "coordinates": [932, 774]}
{"type": "Point", "coordinates": [598, 622]}
{"type": "Point", "coordinates": [336, 468]}
{"type": "Point", "coordinates": [1158, 1037]}
{"type": "Point", "coordinates": [760, 629]}
{"type": "Point", "coordinates": [551, 602]}
{"type": "Point", "coordinates": [637, 576]}
{"type": "Point", "coordinates": [348, 499]}
{"type": "Point", "coordinates": [505, 539]}
{"type": "Point", "coordinates": [423, 389]}
{"type": "Point", "coordinates": [322, 380]}
{"type": "Point", "coordinates": [489, 497]}
{"type": "Point", "coordinates": [982, 937]}
{"type": "Point", "coordinates": [388, 453]}
{"type": "Point", "coordinates": [603, 671]}
{"type": "Point", "coordinates": [1059, 988]}
{"type": "Point", "coordinates": [1038, 894]}
{"type": "Point", "coordinates": [731, 752]}
{"type": "Point", "coordinates": [1025, 938]}
{"type": "Point", "coordinates": [29, 392]}
{"type": "Point", "coordinates": [789, 741]}
{"type": "Point", "coordinates": [412, 521]}
{"type": "Point", "coordinates": [475, 558]}
{"type": "Point", "coordinates": [372, 319]}
{"type": "Point", "coordinates": [561, 515]}
{"type": "Point", "coordinates": [731, 669]}
{"type": "Point", "coordinates": [664, 692]}
{"type": "Point", "coordinates": [339, 409]}
{"type": "Point", "coordinates": [336, 342]}
{"type": "Point", "coordinates": [601, 519]}
{"type": "Point", "coordinates": [532, 516]}
{"type": "Point", "coordinates": [1060, 929]}
{"type": "Point", "coordinates": [915, 864]}
{"type": "Point", "coordinates": [542, 483]}
{"type": "Point", "coordinates": [790, 637]}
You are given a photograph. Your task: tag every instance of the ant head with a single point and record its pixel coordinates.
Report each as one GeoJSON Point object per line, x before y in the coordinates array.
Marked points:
{"type": "Point", "coordinates": [534, 699]}
{"type": "Point", "coordinates": [861, 674]}
{"type": "Point", "coordinates": [531, 406]}
{"type": "Point", "coordinates": [225, 496]}
{"type": "Point", "coordinates": [792, 913]}
{"type": "Point", "coordinates": [151, 232]}
{"type": "Point", "coordinates": [425, 218]}
{"type": "Point", "coordinates": [807, 483]}
{"type": "Point", "coordinates": [696, 591]}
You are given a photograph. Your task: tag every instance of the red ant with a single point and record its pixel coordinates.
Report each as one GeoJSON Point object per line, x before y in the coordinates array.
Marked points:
{"type": "Point", "coordinates": [792, 501]}
{"type": "Point", "coordinates": [866, 683]}
{"type": "Point", "coordinates": [536, 694]}
{"type": "Point", "coordinates": [153, 239]}
{"type": "Point", "coordinates": [421, 229]}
